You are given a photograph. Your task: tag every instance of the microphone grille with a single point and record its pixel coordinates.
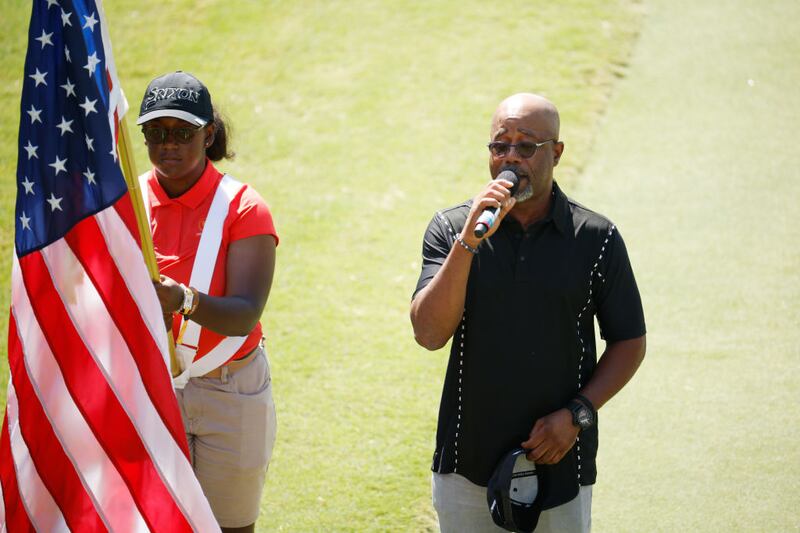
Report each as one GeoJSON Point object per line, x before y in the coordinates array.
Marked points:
{"type": "Point", "coordinates": [511, 176]}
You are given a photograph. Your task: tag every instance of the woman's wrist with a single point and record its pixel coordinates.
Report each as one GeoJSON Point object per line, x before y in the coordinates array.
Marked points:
{"type": "Point", "coordinates": [190, 301]}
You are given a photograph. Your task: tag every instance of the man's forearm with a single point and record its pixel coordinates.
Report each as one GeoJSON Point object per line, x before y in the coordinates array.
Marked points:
{"type": "Point", "coordinates": [616, 367]}
{"type": "Point", "coordinates": [437, 309]}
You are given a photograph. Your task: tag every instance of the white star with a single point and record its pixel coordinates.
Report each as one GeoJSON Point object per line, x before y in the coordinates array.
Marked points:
{"type": "Point", "coordinates": [31, 149]}
{"type": "Point", "coordinates": [51, 3]}
{"type": "Point", "coordinates": [89, 142]}
{"type": "Point", "coordinates": [88, 106]}
{"type": "Point", "coordinates": [34, 113]}
{"type": "Point", "coordinates": [65, 126]}
{"type": "Point", "coordinates": [65, 19]}
{"type": "Point", "coordinates": [55, 203]}
{"type": "Point", "coordinates": [92, 64]}
{"type": "Point", "coordinates": [69, 87]}
{"type": "Point", "coordinates": [45, 39]}
{"type": "Point", "coordinates": [89, 175]}
{"type": "Point", "coordinates": [66, 54]}
{"type": "Point", "coordinates": [39, 77]}
{"type": "Point", "coordinates": [58, 165]}
{"type": "Point", "coordinates": [28, 184]}
{"type": "Point", "coordinates": [26, 221]}
{"type": "Point", "coordinates": [90, 22]}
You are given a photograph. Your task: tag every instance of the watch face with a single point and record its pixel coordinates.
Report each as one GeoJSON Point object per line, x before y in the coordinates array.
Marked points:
{"type": "Point", "coordinates": [584, 418]}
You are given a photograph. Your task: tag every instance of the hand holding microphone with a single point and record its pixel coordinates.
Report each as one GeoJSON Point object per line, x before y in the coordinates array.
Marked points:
{"type": "Point", "coordinates": [489, 215]}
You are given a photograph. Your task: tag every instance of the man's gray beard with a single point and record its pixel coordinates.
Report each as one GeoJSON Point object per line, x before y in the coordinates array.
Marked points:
{"type": "Point", "coordinates": [524, 194]}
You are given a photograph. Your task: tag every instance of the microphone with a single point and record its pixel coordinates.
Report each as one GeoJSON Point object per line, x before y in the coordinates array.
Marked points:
{"type": "Point", "coordinates": [489, 215]}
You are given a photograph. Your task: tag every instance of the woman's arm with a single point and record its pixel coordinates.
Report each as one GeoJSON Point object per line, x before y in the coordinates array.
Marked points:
{"type": "Point", "coordinates": [249, 270]}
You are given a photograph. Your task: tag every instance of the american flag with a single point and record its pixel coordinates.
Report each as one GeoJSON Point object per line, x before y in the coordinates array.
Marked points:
{"type": "Point", "coordinates": [92, 438]}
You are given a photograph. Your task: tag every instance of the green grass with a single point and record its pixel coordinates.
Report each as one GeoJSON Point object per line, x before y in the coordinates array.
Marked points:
{"type": "Point", "coordinates": [356, 120]}
{"type": "Point", "coordinates": [697, 162]}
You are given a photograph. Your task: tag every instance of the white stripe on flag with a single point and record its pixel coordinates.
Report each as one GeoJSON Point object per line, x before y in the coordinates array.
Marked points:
{"type": "Point", "coordinates": [42, 510]}
{"type": "Point", "coordinates": [109, 350]}
{"type": "Point", "coordinates": [128, 259]}
{"type": "Point", "coordinates": [98, 474]}
{"type": "Point", "coordinates": [116, 98]}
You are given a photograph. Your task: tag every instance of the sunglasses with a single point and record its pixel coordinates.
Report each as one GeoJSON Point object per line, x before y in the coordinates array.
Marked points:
{"type": "Point", "coordinates": [158, 135]}
{"type": "Point", "coordinates": [525, 149]}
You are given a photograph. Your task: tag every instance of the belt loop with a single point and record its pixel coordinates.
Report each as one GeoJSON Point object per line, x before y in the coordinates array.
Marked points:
{"type": "Point", "coordinates": [223, 375]}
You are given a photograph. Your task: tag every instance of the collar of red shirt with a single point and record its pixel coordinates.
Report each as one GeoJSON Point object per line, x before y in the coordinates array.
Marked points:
{"type": "Point", "coordinates": [195, 195]}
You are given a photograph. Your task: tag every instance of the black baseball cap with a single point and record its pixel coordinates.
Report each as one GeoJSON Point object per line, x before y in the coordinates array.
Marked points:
{"type": "Point", "coordinates": [178, 95]}
{"type": "Point", "coordinates": [514, 495]}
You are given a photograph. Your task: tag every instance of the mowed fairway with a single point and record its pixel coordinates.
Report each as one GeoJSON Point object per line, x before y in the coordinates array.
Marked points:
{"type": "Point", "coordinates": [356, 120]}
{"type": "Point", "coordinates": [698, 163]}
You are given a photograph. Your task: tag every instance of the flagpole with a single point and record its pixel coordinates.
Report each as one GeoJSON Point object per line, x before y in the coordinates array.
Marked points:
{"type": "Point", "coordinates": [132, 179]}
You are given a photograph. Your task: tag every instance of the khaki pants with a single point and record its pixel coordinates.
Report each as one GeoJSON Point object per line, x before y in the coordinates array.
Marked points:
{"type": "Point", "coordinates": [462, 508]}
{"type": "Point", "coordinates": [231, 425]}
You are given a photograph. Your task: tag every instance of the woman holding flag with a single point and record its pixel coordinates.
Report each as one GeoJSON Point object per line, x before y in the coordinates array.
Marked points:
{"type": "Point", "coordinates": [215, 242]}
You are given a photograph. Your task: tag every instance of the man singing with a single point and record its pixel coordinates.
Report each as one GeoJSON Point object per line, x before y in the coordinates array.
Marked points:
{"type": "Point", "coordinates": [519, 302]}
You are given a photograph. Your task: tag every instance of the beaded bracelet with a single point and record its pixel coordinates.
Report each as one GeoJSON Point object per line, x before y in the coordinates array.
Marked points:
{"type": "Point", "coordinates": [466, 246]}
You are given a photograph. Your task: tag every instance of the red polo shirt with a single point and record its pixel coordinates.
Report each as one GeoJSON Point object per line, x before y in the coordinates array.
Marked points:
{"type": "Point", "coordinates": [176, 225]}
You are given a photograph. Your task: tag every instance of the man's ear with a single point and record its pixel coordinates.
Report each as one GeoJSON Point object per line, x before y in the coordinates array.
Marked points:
{"type": "Point", "coordinates": [558, 149]}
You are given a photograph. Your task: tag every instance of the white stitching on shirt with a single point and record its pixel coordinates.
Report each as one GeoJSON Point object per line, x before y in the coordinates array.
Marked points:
{"type": "Point", "coordinates": [462, 329]}
{"type": "Point", "coordinates": [447, 223]}
{"type": "Point", "coordinates": [594, 271]}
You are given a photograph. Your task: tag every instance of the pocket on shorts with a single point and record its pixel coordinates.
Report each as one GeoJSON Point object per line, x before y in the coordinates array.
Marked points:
{"type": "Point", "coordinates": [253, 387]}
{"type": "Point", "coordinates": [254, 378]}
{"type": "Point", "coordinates": [259, 422]}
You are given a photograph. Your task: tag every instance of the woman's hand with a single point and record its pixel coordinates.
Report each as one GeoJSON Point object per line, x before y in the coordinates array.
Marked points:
{"type": "Point", "coordinates": [170, 295]}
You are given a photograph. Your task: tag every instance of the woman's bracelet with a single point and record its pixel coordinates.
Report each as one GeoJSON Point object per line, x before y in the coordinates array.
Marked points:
{"type": "Point", "coordinates": [466, 246]}
{"type": "Point", "coordinates": [195, 301]}
{"type": "Point", "coordinates": [191, 299]}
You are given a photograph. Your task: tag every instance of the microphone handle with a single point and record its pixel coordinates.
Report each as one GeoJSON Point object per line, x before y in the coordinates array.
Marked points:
{"type": "Point", "coordinates": [485, 221]}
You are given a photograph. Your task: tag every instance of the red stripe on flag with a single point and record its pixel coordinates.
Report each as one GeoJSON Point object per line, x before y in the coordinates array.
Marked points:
{"type": "Point", "coordinates": [97, 402]}
{"type": "Point", "coordinates": [124, 208]}
{"type": "Point", "coordinates": [16, 515]}
{"type": "Point", "coordinates": [54, 467]}
{"type": "Point", "coordinates": [99, 266]}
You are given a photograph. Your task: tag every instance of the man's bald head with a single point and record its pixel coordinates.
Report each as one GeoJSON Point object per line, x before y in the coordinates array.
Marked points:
{"type": "Point", "coordinates": [536, 112]}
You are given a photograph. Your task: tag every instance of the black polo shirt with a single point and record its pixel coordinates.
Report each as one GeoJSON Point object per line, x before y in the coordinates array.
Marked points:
{"type": "Point", "coordinates": [526, 342]}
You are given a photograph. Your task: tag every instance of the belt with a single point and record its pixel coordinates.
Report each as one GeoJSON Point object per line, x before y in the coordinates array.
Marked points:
{"type": "Point", "coordinates": [232, 366]}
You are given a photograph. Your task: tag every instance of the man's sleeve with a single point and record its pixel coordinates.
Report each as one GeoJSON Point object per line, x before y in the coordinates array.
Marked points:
{"type": "Point", "coordinates": [619, 306]}
{"type": "Point", "coordinates": [435, 247]}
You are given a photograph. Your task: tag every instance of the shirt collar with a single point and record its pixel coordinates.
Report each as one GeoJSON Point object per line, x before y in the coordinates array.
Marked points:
{"type": "Point", "coordinates": [195, 195]}
{"type": "Point", "coordinates": [560, 212]}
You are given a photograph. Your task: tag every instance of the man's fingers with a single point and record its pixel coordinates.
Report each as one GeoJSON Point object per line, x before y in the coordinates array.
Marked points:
{"type": "Point", "coordinates": [537, 454]}
{"type": "Point", "coordinates": [552, 457]}
{"type": "Point", "coordinates": [498, 196]}
{"type": "Point", "coordinates": [529, 444]}
{"type": "Point", "coordinates": [545, 458]}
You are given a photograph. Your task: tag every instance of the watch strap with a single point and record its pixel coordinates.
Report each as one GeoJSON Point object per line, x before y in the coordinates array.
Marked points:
{"type": "Point", "coordinates": [585, 401]}
{"type": "Point", "coordinates": [575, 407]}
{"type": "Point", "coordinates": [188, 300]}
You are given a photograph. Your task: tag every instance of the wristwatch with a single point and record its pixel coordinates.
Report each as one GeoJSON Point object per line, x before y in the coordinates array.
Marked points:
{"type": "Point", "coordinates": [188, 300]}
{"type": "Point", "coordinates": [582, 416]}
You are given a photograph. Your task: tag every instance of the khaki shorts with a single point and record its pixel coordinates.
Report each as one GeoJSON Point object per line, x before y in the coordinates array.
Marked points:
{"type": "Point", "coordinates": [230, 424]}
{"type": "Point", "coordinates": [461, 508]}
